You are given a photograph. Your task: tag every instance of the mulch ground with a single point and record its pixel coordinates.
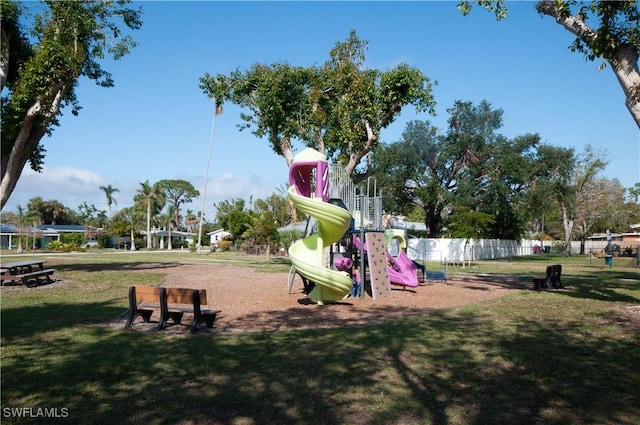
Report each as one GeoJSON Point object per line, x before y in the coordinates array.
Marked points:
{"type": "Point", "coordinates": [256, 301]}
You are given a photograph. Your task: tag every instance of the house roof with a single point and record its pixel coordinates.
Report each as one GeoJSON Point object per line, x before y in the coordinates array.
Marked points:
{"type": "Point", "coordinates": [64, 228]}
{"type": "Point", "coordinates": [8, 228]}
{"type": "Point", "coordinates": [173, 233]}
{"type": "Point", "coordinates": [12, 229]}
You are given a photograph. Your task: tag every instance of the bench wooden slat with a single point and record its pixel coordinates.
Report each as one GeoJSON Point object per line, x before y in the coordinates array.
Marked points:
{"type": "Point", "coordinates": [180, 296]}
{"type": "Point", "coordinates": [149, 294]}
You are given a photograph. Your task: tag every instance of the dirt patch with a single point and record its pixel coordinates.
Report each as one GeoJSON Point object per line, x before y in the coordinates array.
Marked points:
{"type": "Point", "coordinates": [258, 301]}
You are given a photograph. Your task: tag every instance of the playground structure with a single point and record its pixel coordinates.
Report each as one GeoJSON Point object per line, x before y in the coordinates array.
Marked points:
{"type": "Point", "coordinates": [332, 222]}
{"type": "Point", "coordinates": [349, 224]}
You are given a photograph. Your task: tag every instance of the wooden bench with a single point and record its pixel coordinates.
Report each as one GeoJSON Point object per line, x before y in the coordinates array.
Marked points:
{"type": "Point", "coordinates": [172, 304]}
{"type": "Point", "coordinates": [551, 279]}
{"type": "Point", "coordinates": [38, 275]}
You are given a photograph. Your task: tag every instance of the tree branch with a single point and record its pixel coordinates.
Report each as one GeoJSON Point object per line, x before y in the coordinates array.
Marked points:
{"type": "Point", "coordinates": [573, 24]}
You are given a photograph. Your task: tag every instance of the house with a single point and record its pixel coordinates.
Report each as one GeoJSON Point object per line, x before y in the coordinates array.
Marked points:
{"type": "Point", "coordinates": [42, 234]}
{"type": "Point", "coordinates": [217, 236]}
{"type": "Point", "coordinates": [9, 234]}
{"type": "Point", "coordinates": [160, 238]}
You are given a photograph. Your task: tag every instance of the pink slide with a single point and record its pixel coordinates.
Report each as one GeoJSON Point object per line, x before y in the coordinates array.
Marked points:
{"type": "Point", "coordinates": [402, 271]}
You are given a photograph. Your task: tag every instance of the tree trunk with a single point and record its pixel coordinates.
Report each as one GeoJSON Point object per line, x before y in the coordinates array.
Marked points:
{"type": "Point", "coordinates": [623, 59]}
{"type": "Point", "coordinates": [625, 65]}
{"type": "Point", "coordinates": [542, 234]}
{"type": "Point", "coordinates": [148, 223]}
{"type": "Point", "coordinates": [133, 242]}
{"type": "Point", "coordinates": [567, 222]}
{"type": "Point", "coordinates": [27, 140]}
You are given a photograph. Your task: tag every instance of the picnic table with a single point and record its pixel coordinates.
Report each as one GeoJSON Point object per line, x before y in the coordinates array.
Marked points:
{"type": "Point", "coordinates": [24, 271]}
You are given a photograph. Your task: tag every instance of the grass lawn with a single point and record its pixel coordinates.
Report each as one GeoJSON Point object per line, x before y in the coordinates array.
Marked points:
{"type": "Point", "coordinates": [562, 357]}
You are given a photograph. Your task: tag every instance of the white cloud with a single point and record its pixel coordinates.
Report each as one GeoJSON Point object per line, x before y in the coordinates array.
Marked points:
{"type": "Point", "coordinates": [71, 186]}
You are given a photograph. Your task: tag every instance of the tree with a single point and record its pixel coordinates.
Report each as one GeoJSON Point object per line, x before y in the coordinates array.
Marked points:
{"type": "Point", "coordinates": [51, 212]}
{"type": "Point", "coordinates": [24, 219]}
{"type": "Point", "coordinates": [614, 209]}
{"type": "Point", "coordinates": [554, 169]}
{"type": "Point", "coordinates": [233, 217]}
{"type": "Point", "coordinates": [283, 192]}
{"type": "Point", "coordinates": [262, 230]}
{"type": "Point", "coordinates": [41, 72]}
{"type": "Point", "coordinates": [338, 108]}
{"type": "Point", "coordinates": [634, 192]}
{"type": "Point", "coordinates": [126, 223]}
{"type": "Point", "coordinates": [108, 193]}
{"type": "Point", "coordinates": [582, 201]}
{"type": "Point", "coordinates": [90, 215]}
{"type": "Point", "coordinates": [133, 216]}
{"type": "Point", "coordinates": [168, 220]}
{"type": "Point", "coordinates": [277, 205]}
{"type": "Point", "coordinates": [178, 192]}
{"type": "Point", "coordinates": [467, 223]}
{"type": "Point", "coordinates": [152, 197]}
{"type": "Point", "coordinates": [606, 30]}
{"type": "Point", "coordinates": [471, 165]}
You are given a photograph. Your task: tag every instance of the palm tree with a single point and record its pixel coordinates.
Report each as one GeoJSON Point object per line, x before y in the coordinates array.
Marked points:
{"type": "Point", "coordinates": [190, 220]}
{"type": "Point", "coordinates": [152, 196]}
{"type": "Point", "coordinates": [283, 190]}
{"type": "Point", "coordinates": [168, 220]}
{"type": "Point", "coordinates": [37, 206]}
{"type": "Point", "coordinates": [23, 219]}
{"type": "Point", "coordinates": [108, 192]}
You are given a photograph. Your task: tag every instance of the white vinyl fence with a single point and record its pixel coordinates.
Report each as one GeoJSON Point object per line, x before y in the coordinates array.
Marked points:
{"type": "Point", "coordinates": [459, 250]}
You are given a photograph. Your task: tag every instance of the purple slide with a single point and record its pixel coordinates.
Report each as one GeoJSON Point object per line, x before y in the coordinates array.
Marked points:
{"type": "Point", "coordinates": [402, 271]}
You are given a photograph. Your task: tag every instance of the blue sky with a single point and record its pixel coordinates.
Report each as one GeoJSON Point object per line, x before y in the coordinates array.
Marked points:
{"type": "Point", "coordinates": [156, 123]}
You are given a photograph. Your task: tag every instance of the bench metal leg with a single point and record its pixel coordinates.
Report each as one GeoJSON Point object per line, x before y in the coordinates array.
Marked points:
{"type": "Point", "coordinates": [145, 314]}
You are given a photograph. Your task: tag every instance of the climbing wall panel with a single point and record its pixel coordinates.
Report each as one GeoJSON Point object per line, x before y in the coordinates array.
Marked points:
{"type": "Point", "coordinates": [377, 262]}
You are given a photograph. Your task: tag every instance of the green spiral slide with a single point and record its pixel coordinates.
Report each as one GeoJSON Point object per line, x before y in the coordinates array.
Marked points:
{"type": "Point", "coordinates": [307, 255]}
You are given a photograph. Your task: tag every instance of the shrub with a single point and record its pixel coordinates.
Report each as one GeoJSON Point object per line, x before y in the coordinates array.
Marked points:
{"type": "Point", "coordinates": [59, 246]}
{"type": "Point", "coordinates": [558, 248]}
{"type": "Point", "coordinates": [73, 239]}
{"type": "Point", "coordinates": [180, 244]}
{"type": "Point", "coordinates": [225, 245]}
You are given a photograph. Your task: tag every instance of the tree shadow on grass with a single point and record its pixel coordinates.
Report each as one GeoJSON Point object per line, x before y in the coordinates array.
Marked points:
{"type": "Point", "coordinates": [450, 367]}
{"type": "Point", "coordinates": [609, 289]}
{"type": "Point", "coordinates": [471, 281]}
{"type": "Point", "coordinates": [28, 321]}
{"type": "Point", "coordinates": [99, 267]}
